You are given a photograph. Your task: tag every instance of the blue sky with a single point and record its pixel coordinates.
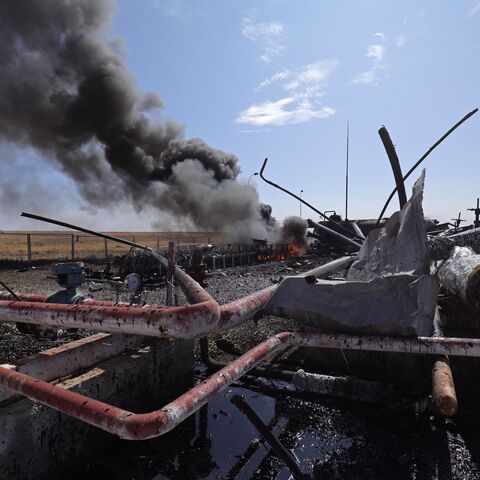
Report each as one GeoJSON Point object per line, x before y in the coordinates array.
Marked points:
{"type": "Point", "coordinates": [280, 79]}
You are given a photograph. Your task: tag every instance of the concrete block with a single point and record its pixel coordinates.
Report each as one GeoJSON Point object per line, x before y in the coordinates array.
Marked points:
{"type": "Point", "coordinates": [38, 442]}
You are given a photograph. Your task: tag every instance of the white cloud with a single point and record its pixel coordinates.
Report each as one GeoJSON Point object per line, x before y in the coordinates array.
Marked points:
{"type": "Point", "coordinates": [304, 86]}
{"type": "Point", "coordinates": [474, 7]}
{"type": "Point", "coordinates": [373, 76]}
{"type": "Point", "coordinates": [312, 76]}
{"type": "Point", "coordinates": [280, 112]}
{"type": "Point", "coordinates": [268, 35]}
{"type": "Point", "coordinates": [400, 41]}
{"type": "Point", "coordinates": [274, 78]}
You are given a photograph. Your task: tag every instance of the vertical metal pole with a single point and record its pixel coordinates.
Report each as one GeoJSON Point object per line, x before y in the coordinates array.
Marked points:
{"type": "Point", "coordinates": [395, 164]}
{"type": "Point", "coordinates": [301, 191]}
{"type": "Point", "coordinates": [158, 244]}
{"type": "Point", "coordinates": [29, 247]}
{"type": "Point", "coordinates": [170, 269]}
{"type": "Point", "coordinates": [346, 177]}
{"type": "Point", "coordinates": [73, 246]}
{"type": "Point", "coordinates": [477, 214]}
{"type": "Point", "coordinates": [106, 249]}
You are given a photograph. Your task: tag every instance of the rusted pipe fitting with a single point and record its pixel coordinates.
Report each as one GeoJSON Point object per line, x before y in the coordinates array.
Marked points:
{"type": "Point", "coordinates": [174, 322]}
{"type": "Point", "coordinates": [132, 426]}
{"type": "Point", "coordinates": [444, 395]}
{"type": "Point", "coordinates": [192, 321]}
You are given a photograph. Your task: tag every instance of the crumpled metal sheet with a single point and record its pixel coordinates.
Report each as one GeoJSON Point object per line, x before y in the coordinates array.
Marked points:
{"type": "Point", "coordinates": [388, 289]}
{"type": "Point", "coordinates": [399, 246]}
{"type": "Point", "coordinates": [393, 305]}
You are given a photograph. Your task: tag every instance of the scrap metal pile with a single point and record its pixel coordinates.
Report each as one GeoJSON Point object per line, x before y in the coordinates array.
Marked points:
{"type": "Point", "coordinates": [199, 261]}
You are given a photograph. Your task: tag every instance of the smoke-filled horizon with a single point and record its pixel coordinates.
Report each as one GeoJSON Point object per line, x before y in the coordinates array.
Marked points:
{"type": "Point", "coordinates": [66, 91]}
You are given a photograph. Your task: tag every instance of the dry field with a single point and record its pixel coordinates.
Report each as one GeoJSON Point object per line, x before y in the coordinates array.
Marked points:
{"type": "Point", "coordinates": [56, 245]}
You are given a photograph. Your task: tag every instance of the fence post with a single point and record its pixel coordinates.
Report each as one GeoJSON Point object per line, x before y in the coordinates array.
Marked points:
{"type": "Point", "coordinates": [169, 274]}
{"type": "Point", "coordinates": [106, 249]}
{"type": "Point", "coordinates": [158, 244]}
{"type": "Point", "coordinates": [73, 247]}
{"type": "Point", "coordinates": [29, 247]}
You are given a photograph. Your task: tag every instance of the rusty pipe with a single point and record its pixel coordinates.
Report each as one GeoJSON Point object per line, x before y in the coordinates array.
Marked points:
{"type": "Point", "coordinates": [142, 426]}
{"type": "Point", "coordinates": [175, 322]}
{"type": "Point", "coordinates": [235, 313]}
{"type": "Point", "coordinates": [461, 347]}
{"type": "Point", "coordinates": [188, 322]}
{"type": "Point", "coordinates": [443, 387]}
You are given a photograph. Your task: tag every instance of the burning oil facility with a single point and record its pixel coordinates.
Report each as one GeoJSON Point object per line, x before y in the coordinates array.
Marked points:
{"type": "Point", "coordinates": [236, 346]}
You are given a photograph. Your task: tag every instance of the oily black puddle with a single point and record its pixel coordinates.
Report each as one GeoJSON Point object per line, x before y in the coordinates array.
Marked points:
{"type": "Point", "coordinates": [330, 439]}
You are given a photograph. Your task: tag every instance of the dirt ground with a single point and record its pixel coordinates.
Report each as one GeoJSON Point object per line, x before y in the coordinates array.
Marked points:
{"type": "Point", "coordinates": [330, 438]}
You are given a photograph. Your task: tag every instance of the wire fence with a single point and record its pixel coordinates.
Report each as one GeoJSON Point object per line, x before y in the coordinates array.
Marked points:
{"type": "Point", "coordinates": [35, 246]}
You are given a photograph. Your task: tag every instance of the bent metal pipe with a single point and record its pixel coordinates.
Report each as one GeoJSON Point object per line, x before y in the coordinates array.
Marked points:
{"type": "Point", "coordinates": [201, 318]}
{"type": "Point", "coordinates": [142, 426]}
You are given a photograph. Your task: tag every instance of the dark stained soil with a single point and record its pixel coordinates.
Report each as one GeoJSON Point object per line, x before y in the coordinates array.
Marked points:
{"type": "Point", "coordinates": [330, 438]}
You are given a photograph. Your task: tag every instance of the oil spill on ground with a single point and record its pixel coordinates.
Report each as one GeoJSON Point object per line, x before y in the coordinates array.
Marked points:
{"type": "Point", "coordinates": [330, 439]}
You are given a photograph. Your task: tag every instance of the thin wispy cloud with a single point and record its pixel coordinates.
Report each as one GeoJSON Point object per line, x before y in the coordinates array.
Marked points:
{"type": "Point", "coordinates": [376, 52]}
{"type": "Point", "coordinates": [400, 41]}
{"type": "Point", "coordinates": [304, 87]}
{"type": "Point", "coordinates": [269, 35]}
{"type": "Point", "coordinates": [178, 10]}
{"type": "Point", "coordinates": [474, 7]}
{"type": "Point", "coordinates": [282, 112]}
{"type": "Point", "coordinates": [312, 77]}
{"type": "Point", "coordinates": [274, 78]}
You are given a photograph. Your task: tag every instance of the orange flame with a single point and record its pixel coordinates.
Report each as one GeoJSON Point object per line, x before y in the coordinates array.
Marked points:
{"type": "Point", "coordinates": [293, 250]}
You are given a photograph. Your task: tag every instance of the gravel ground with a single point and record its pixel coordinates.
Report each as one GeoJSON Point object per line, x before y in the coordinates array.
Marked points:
{"type": "Point", "coordinates": [330, 438]}
{"type": "Point", "coordinates": [223, 286]}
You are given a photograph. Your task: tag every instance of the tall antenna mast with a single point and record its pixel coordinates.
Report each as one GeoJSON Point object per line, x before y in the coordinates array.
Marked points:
{"type": "Point", "coordinates": [346, 177]}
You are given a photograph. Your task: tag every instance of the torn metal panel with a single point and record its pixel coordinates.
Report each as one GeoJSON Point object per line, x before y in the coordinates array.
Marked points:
{"type": "Point", "coordinates": [393, 305]}
{"type": "Point", "coordinates": [399, 246]}
{"type": "Point", "coordinates": [388, 290]}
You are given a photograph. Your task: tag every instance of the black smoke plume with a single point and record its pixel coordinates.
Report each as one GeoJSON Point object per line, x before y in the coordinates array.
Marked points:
{"type": "Point", "coordinates": [294, 230]}
{"type": "Point", "coordinates": [65, 90]}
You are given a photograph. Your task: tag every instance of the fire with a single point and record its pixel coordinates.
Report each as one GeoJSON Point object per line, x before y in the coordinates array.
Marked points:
{"type": "Point", "coordinates": [295, 250]}
{"type": "Point", "coordinates": [291, 250]}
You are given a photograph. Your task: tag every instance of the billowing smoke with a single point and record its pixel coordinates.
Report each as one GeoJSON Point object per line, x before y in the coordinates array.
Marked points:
{"type": "Point", "coordinates": [65, 91]}
{"type": "Point", "coordinates": [294, 230]}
